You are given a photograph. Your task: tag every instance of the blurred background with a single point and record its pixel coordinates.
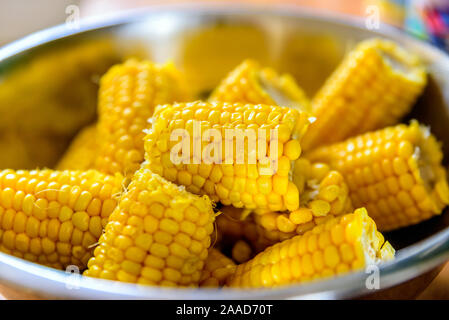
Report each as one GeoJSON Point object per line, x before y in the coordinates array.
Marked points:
{"type": "Point", "coordinates": [425, 19]}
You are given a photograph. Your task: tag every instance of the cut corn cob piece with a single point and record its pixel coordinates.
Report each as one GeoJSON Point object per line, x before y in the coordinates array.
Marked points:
{"type": "Point", "coordinates": [324, 195]}
{"type": "Point", "coordinates": [159, 234]}
{"type": "Point", "coordinates": [128, 95]}
{"type": "Point", "coordinates": [250, 83]}
{"type": "Point", "coordinates": [343, 244]}
{"type": "Point", "coordinates": [396, 173]}
{"type": "Point", "coordinates": [55, 217]}
{"type": "Point", "coordinates": [229, 169]}
{"type": "Point", "coordinates": [82, 152]}
{"type": "Point", "coordinates": [374, 87]}
{"type": "Point", "coordinates": [217, 269]}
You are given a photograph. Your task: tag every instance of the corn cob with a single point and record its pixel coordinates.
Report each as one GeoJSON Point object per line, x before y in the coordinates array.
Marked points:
{"type": "Point", "coordinates": [343, 244]}
{"type": "Point", "coordinates": [396, 173]}
{"type": "Point", "coordinates": [82, 151]}
{"type": "Point", "coordinates": [240, 178]}
{"type": "Point", "coordinates": [55, 217]}
{"type": "Point", "coordinates": [128, 94]}
{"type": "Point", "coordinates": [217, 269]}
{"type": "Point", "coordinates": [324, 195]}
{"type": "Point", "coordinates": [159, 234]}
{"type": "Point", "coordinates": [250, 83]}
{"type": "Point", "coordinates": [374, 87]}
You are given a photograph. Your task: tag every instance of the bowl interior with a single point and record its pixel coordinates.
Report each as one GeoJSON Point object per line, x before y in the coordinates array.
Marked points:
{"type": "Point", "coordinates": [48, 84]}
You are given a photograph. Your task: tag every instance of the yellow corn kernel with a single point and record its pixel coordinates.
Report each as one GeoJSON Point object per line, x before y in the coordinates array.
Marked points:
{"type": "Point", "coordinates": [320, 207]}
{"type": "Point", "coordinates": [241, 251]}
{"type": "Point", "coordinates": [309, 261]}
{"type": "Point", "coordinates": [395, 78]}
{"type": "Point", "coordinates": [292, 150]}
{"type": "Point", "coordinates": [250, 83]}
{"type": "Point", "coordinates": [58, 232]}
{"type": "Point", "coordinates": [128, 94]}
{"type": "Point", "coordinates": [413, 185]}
{"type": "Point", "coordinates": [170, 237]}
{"type": "Point", "coordinates": [300, 216]}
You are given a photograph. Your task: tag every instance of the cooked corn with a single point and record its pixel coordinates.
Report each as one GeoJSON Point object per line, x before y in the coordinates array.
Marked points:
{"type": "Point", "coordinates": [375, 86]}
{"type": "Point", "coordinates": [217, 269]}
{"type": "Point", "coordinates": [55, 217]}
{"type": "Point", "coordinates": [239, 177]}
{"type": "Point", "coordinates": [396, 173]}
{"type": "Point", "coordinates": [250, 83]}
{"type": "Point", "coordinates": [159, 234]}
{"type": "Point", "coordinates": [343, 244]}
{"type": "Point", "coordinates": [82, 151]}
{"type": "Point", "coordinates": [233, 225]}
{"type": "Point", "coordinates": [324, 195]}
{"type": "Point", "coordinates": [128, 95]}
{"type": "Point", "coordinates": [241, 251]}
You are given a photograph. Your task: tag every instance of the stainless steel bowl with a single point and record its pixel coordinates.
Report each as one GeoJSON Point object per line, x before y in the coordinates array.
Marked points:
{"type": "Point", "coordinates": [205, 38]}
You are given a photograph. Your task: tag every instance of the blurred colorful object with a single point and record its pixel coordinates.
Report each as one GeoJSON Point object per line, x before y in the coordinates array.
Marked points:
{"type": "Point", "coordinates": [425, 19]}
{"type": "Point", "coordinates": [430, 20]}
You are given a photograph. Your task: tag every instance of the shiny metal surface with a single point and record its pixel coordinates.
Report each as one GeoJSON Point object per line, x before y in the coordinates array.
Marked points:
{"type": "Point", "coordinates": [305, 43]}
